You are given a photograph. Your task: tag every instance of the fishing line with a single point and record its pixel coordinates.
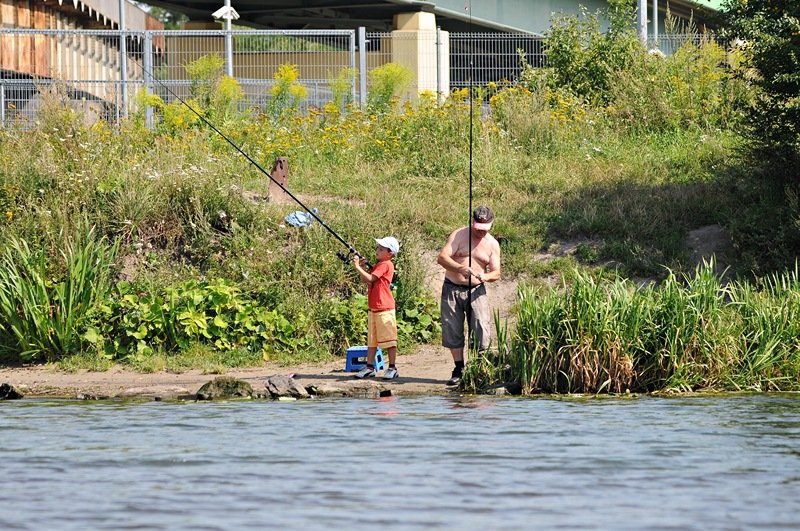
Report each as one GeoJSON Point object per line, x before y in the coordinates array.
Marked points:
{"type": "Point", "coordinates": [350, 248]}
{"type": "Point", "coordinates": [469, 223]}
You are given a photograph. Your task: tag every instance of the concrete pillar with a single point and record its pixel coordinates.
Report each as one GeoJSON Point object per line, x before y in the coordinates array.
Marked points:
{"type": "Point", "coordinates": [362, 68]}
{"type": "Point", "coordinates": [420, 47]}
{"type": "Point", "coordinates": [655, 24]}
{"type": "Point", "coordinates": [123, 58]}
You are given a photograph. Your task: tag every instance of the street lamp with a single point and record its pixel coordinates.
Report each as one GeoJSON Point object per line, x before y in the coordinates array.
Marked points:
{"type": "Point", "coordinates": [227, 13]}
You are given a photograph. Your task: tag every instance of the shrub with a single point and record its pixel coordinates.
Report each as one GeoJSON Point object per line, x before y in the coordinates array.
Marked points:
{"type": "Point", "coordinates": [215, 313]}
{"type": "Point", "coordinates": [583, 58]}
{"type": "Point", "coordinates": [694, 87]}
{"type": "Point", "coordinates": [386, 84]}
{"type": "Point", "coordinates": [287, 93]}
{"type": "Point", "coordinates": [342, 88]}
{"type": "Point", "coordinates": [769, 33]}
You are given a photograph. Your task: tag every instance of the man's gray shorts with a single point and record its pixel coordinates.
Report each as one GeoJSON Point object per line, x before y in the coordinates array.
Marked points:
{"type": "Point", "coordinates": [454, 305]}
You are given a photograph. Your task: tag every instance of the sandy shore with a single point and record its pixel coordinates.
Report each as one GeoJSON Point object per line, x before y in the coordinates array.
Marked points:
{"type": "Point", "coordinates": [424, 371]}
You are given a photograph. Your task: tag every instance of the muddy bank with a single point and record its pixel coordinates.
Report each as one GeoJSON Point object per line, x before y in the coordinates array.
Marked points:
{"type": "Point", "coordinates": [423, 372]}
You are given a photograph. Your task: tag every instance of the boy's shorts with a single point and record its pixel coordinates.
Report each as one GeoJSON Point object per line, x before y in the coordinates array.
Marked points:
{"type": "Point", "coordinates": [382, 329]}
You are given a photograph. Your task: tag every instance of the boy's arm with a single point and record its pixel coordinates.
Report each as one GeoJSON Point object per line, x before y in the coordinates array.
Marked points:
{"type": "Point", "coordinates": [366, 277]}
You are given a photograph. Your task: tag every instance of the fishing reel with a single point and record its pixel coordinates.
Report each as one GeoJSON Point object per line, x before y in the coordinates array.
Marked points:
{"type": "Point", "coordinates": [347, 258]}
{"type": "Point", "coordinates": [343, 257]}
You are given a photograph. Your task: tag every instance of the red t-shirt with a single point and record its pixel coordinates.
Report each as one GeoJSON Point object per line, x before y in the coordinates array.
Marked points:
{"type": "Point", "coordinates": [379, 294]}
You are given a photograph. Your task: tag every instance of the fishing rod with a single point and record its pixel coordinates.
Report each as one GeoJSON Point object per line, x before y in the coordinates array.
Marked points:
{"type": "Point", "coordinates": [470, 339]}
{"type": "Point", "coordinates": [470, 145]}
{"type": "Point", "coordinates": [343, 257]}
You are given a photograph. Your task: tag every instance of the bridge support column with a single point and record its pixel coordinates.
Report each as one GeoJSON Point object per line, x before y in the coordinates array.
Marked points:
{"type": "Point", "coordinates": [418, 45]}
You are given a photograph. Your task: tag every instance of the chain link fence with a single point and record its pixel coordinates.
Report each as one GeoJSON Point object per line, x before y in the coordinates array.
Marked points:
{"type": "Point", "coordinates": [82, 67]}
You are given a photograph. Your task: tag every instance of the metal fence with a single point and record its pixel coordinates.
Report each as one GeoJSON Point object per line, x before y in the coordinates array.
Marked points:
{"type": "Point", "coordinates": [481, 58]}
{"type": "Point", "coordinates": [669, 44]}
{"type": "Point", "coordinates": [83, 68]}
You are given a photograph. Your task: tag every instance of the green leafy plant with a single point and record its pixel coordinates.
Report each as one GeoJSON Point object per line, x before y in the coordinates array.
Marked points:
{"type": "Point", "coordinates": [343, 323]}
{"type": "Point", "coordinates": [583, 58]}
{"type": "Point", "coordinates": [418, 320]}
{"type": "Point", "coordinates": [212, 313]}
{"type": "Point", "coordinates": [342, 89]}
{"type": "Point", "coordinates": [768, 32]}
{"type": "Point", "coordinates": [42, 311]}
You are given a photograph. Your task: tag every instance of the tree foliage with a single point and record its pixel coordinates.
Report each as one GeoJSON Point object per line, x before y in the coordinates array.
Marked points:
{"type": "Point", "coordinates": [769, 31]}
{"type": "Point", "coordinates": [172, 20]}
{"type": "Point", "coordinates": [583, 57]}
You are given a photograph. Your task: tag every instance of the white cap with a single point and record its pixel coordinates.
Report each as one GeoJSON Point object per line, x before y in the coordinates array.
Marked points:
{"type": "Point", "coordinates": [390, 242]}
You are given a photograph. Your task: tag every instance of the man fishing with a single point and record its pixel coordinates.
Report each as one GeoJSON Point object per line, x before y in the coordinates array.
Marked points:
{"type": "Point", "coordinates": [471, 258]}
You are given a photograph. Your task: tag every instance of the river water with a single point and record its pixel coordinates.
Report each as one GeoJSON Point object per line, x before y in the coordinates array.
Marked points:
{"type": "Point", "coordinates": [403, 463]}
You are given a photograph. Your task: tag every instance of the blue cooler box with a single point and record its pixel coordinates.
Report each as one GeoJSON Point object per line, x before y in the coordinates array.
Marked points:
{"type": "Point", "coordinates": [357, 359]}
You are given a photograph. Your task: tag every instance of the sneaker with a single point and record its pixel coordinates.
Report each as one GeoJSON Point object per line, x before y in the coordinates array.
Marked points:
{"type": "Point", "coordinates": [455, 378]}
{"type": "Point", "coordinates": [390, 374]}
{"type": "Point", "coordinates": [366, 372]}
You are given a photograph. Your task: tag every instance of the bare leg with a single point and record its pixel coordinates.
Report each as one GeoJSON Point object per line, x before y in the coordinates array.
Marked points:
{"type": "Point", "coordinates": [458, 354]}
{"type": "Point", "coordinates": [371, 351]}
{"type": "Point", "coordinates": [391, 352]}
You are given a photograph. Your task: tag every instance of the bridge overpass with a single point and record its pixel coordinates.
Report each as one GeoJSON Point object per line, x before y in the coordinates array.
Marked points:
{"type": "Point", "coordinates": [529, 16]}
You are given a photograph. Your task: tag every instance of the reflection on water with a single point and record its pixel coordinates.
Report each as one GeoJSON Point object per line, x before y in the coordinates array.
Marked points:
{"type": "Point", "coordinates": [403, 463]}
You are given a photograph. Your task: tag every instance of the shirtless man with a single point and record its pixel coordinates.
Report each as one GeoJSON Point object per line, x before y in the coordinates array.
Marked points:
{"type": "Point", "coordinates": [464, 289]}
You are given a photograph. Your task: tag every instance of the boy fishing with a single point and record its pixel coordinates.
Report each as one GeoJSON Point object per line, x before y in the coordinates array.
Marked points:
{"type": "Point", "coordinates": [381, 319]}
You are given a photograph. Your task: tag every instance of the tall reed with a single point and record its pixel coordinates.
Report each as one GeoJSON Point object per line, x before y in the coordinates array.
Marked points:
{"type": "Point", "coordinates": [768, 322]}
{"type": "Point", "coordinates": [687, 333]}
{"type": "Point", "coordinates": [41, 316]}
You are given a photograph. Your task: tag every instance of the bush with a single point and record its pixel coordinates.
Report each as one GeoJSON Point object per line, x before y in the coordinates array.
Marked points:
{"type": "Point", "coordinates": [287, 93]}
{"type": "Point", "coordinates": [769, 34]}
{"type": "Point", "coordinates": [694, 87]}
{"type": "Point", "coordinates": [583, 58]}
{"type": "Point", "coordinates": [215, 313]}
{"type": "Point", "coordinates": [386, 85]}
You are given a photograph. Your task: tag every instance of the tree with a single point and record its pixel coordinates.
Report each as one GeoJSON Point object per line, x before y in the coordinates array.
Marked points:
{"type": "Point", "coordinates": [769, 31]}
{"type": "Point", "coordinates": [170, 19]}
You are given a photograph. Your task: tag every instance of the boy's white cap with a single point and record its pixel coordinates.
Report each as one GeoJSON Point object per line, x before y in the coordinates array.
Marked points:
{"type": "Point", "coordinates": [390, 242]}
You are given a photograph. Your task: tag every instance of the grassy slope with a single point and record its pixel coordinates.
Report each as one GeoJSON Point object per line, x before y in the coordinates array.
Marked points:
{"type": "Point", "coordinates": [175, 199]}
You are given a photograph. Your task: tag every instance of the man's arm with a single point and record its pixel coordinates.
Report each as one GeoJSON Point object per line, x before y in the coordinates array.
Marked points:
{"type": "Point", "coordinates": [445, 255]}
{"type": "Point", "coordinates": [492, 273]}
{"type": "Point", "coordinates": [445, 258]}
